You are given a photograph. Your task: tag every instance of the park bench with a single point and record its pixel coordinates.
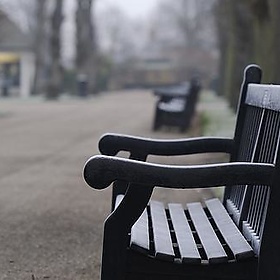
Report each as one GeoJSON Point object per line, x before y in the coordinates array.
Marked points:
{"type": "Point", "coordinates": [237, 238]}
{"type": "Point", "coordinates": [176, 105]}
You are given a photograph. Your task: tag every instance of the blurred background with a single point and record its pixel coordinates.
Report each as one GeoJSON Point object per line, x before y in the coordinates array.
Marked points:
{"type": "Point", "coordinates": [72, 70]}
{"type": "Point", "coordinates": [88, 46]}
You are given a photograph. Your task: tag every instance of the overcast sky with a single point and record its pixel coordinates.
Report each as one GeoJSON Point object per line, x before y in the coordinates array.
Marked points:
{"type": "Point", "coordinates": [134, 8]}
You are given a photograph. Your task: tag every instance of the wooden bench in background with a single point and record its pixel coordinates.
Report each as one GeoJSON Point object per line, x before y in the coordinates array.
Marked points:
{"type": "Point", "coordinates": [176, 105]}
{"type": "Point", "coordinates": [237, 238]}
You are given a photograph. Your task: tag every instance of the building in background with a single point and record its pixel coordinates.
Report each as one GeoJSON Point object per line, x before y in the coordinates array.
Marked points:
{"type": "Point", "coordinates": [17, 60]}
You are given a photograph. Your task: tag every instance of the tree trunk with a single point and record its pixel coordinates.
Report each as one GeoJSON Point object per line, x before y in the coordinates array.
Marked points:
{"type": "Point", "coordinates": [39, 47]}
{"type": "Point", "coordinates": [242, 47]}
{"type": "Point", "coordinates": [222, 27]}
{"type": "Point", "coordinates": [86, 47]}
{"type": "Point", "coordinates": [275, 12]}
{"type": "Point", "coordinates": [236, 47]}
{"type": "Point", "coordinates": [267, 37]}
{"type": "Point", "coordinates": [253, 36]}
{"type": "Point", "coordinates": [55, 80]}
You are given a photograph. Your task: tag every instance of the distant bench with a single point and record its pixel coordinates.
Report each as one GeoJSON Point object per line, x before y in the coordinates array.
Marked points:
{"type": "Point", "coordinates": [237, 238]}
{"type": "Point", "coordinates": [176, 105]}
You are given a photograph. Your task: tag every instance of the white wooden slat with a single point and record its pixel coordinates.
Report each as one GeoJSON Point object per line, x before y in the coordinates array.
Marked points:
{"type": "Point", "coordinates": [162, 239]}
{"type": "Point", "coordinates": [186, 243]}
{"type": "Point", "coordinates": [209, 240]}
{"type": "Point", "coordinates": [139, 239]}
{"type": "Point", "coordinates": [235, 240]}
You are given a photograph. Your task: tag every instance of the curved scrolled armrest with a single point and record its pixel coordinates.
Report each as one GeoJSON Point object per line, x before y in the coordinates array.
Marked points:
{"type": "Point", "coordinates": [101, 171]}
{"type": "Point", "coordinates": [111, 144]}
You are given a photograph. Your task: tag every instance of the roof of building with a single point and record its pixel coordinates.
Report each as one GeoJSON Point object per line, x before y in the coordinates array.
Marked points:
{"type": "Point", "coordinates": [12, 38]}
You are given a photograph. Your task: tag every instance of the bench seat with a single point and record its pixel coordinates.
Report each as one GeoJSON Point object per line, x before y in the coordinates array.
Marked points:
{"type": "Point", "coordinates": [191, 234]}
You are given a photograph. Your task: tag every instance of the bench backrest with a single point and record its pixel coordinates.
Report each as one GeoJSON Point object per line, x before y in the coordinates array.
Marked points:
{"type": "Point", "coordinates": [257, 133]}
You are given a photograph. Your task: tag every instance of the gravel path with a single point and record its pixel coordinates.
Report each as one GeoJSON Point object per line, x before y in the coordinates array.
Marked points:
{"type": "Point", "coordinates": [51, 222]}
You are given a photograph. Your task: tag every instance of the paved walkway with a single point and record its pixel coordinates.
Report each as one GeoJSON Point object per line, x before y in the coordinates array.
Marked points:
{"type": "Point", "coordinates": [51, 222]}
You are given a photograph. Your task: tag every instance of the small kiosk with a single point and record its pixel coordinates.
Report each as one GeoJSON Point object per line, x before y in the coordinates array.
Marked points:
{"type": "Point", "coordinates": [17, 60]}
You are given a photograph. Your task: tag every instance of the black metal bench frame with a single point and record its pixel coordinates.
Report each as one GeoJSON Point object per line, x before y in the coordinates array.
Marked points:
{"type": "Point", "coordinates": [236, 239]}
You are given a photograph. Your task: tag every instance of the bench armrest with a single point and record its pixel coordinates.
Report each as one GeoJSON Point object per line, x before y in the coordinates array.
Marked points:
{"type": "Point", "coordinates": [140, 148]}
{"type": "Point", "coordinates": [101, 171]}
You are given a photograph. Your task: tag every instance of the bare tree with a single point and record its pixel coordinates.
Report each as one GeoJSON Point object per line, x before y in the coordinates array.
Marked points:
{"type": "Point", "coordinates": [189, 20]}
{"type": "Point", "coordinates": [117, 34]}
{"type": "Point", "coordinates": [248, 32]}
{"type": "Point", "coordinates": [186, 32]}
{"type": "Point", "coordinates": [86, 44]}
{"type": "Point", "coordinates": [234, 26]}
{"type": "Point", "coordinates": [21, 11]}
{"type": "Point", "coordinates": [54, 86]}
{"type": "Point", "coordinates": [267, 36]}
